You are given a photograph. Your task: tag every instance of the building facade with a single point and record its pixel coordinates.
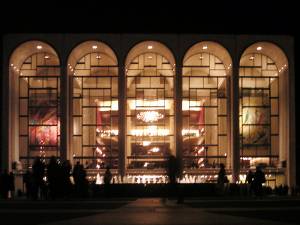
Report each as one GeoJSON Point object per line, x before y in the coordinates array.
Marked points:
{"type": "Point", "coordinates": [129, 101]}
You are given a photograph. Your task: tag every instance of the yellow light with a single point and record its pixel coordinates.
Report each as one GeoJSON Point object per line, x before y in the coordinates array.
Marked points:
{"type": "Point", "coordinates": [46, 56]}
{"type": "Point", "coordinates": [149, 116]}
{"type": "Point", "coordinates": [259, 48]}
{"type": "Point", "coordinates": [204, 47]}
{"type": "Point", "coordinates": [146, 143]}
{"type": "Point", "coordinates": [94, 47]}
{"type": "Point", "coordinates": [150, 47]}
{"type": "Point", "coordinates": [39, 47]}
{"type": "Point", "coordinates": [155, 149]}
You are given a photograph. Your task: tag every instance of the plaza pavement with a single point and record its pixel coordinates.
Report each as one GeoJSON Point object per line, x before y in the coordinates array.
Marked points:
{"type": "Point", "coordinates": [156, 211]}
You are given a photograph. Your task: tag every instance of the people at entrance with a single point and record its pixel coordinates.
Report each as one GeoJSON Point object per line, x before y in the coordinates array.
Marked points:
{"type": "Point", "coordinates": [222, 179]}
{"type": "Point", "coordinates": [107, 180]}
{"type": "Point", "coordinates": [259, 179]}
{"type": "Point", "coordinates": [249, 181]}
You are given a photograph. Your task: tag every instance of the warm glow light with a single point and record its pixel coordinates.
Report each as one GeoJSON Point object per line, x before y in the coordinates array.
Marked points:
{"type": "Point", "coordinates": [150, 47]}
{"type": "Point", "coordinates": [192, 105]}
{"type": "Point", "coordinates": [39, 47]}
{"type": "Point", "coordinates": [46, 56]}
{"type": "Point", "coordinates": [149, 57]}
{"type": "Point", "coordinates": [259, 48]}
{"type": "Point", "coordinates": [146, 143]}
{"type": "Point", "coordinates": [149, 116]}
{"type": "Point", "coordinates": [251, 58]}
{"type": "Point", "coordinates": [204, 47]}
{"type": "Point", "coordinates": [150, 104]}
{"type": "Point", "coordinates": [98, 57]}
{"type": "Point", "coordinates": [155, 149]}
{"type": "Point", "coordinates": [94, 47]}
{"type": "Point", "coordinates": [107, 105]}
{"type": "Point", "coordinates": [150, 131]}
{"type": "Point", "coordinates": [190, 132]}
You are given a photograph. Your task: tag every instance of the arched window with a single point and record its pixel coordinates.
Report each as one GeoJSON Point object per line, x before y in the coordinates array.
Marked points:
{"type": "Point", "coordinates": [150, 69]}
{"type": "Point", "coordinates": [262, 67]}
{"type": "Point", "coordinates": [37, 69]}
{"type": "Point", "coordinates": [205, 119]}
{"type": "Point", "coordinates": [94, 69]}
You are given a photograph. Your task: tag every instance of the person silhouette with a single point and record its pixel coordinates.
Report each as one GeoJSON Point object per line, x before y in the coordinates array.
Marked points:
{"type": "Point", "coordinates": [222, 179]}
{"type": "Point", "coordinates": [11, 184]}
{"type": "Point", "coordinates": [172, 172]}
{"type": "Point", "coordinates": [107, 180]}
{"type": "Point", "coordinates": [259, 179]}
{"type": "Point", "coordinates": [249, 181]}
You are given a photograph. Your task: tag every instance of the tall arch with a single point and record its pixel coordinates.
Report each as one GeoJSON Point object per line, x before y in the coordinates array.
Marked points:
{"type": "Point", "coordinates": [34, 103]}
{"type": "Point", "coordinates": [264, 109]}
{"type": "Point", "coordinates": [205, 110]}
{"type": "Point", "coordinates": [93, 68]}
{"type": "Point", "coordinates": [150, 73]}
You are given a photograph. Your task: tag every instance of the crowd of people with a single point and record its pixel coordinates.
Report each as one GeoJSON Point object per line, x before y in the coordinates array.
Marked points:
{"type": "Point", "coordinates": [59, 180]}
{"type": "Point", "coordinates": [48, 181]}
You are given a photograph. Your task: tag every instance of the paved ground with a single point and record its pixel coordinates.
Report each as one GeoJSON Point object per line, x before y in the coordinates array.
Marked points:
{"type": "Point", "coordinates": [153, 211]}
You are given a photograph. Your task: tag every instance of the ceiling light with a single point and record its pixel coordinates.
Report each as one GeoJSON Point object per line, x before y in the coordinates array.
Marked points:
{"type": "Point", "coordinates": [204, 47]}
{"type": "Point", "coordinates": [98, 57]}
{"type": "Point", "coordinates": [150, 47]}
{"type": "Point", "coordinates": [251, 58]}
{"type": "Point", "coordinates": [39, 47]}
{"type": "Point", "coordinates": [46, 57]}
{"type": "Point", "coordinates": [259, 48]}
{"type": "Point", "coordinates": [94, 46]}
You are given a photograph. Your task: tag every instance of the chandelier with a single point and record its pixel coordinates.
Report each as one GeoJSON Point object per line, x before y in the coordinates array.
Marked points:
{"type": "Point", "coordinates": [149, 116]}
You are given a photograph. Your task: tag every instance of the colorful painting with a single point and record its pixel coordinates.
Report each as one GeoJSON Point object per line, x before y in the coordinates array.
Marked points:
{"type": "Point", "coordinates": [255, 125]}
{"type": "Point", "coordinates": [44, 126]}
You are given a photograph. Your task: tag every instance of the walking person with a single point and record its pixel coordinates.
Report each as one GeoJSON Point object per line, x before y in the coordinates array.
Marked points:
{"type": "Point", "coordinates": [107, 180]}
{"type": "Point", "coordinates": [11, 185]}
{"type": "Point", "coordinates": [249, 181]}
{"type": "Point", "coordinates": [259, 179]}
{"type": "Point", "coordinates": [222, 180]}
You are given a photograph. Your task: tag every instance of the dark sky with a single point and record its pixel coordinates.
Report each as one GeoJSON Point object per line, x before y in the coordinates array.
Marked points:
{"type": "Point", "coordinates": [224, 17]}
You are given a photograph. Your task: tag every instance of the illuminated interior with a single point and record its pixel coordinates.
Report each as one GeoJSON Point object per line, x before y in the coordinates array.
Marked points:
{"type": "Point", "coordinates": [259, 110]}
{"type": "Point", "coordinates": [126, 120]}
{"type": "Point", "coordinates": [204, 106]}
{"type": "Point", "coordinates": [39, 101]}
{"type": "Point", "coordinates": [95, 106]}
{"type": "Point", "coordinates": [150, 107]}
